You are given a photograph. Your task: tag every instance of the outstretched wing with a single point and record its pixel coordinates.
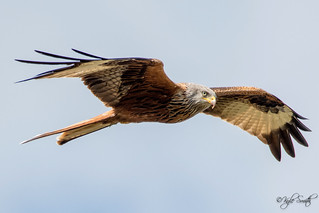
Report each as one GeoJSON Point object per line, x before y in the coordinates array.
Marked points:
{"type": "Point", "coordinates": [262, 115]}
{"type": "Point", "coordinates": [114, 81]}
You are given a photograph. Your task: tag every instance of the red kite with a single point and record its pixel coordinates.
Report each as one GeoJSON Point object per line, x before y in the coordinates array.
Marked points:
{"type": "Point", "coordinates": [138, 90]}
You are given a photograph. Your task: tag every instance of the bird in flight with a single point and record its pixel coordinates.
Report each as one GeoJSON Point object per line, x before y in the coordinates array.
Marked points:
{"type": "Point", "coordinates": [138, 90]}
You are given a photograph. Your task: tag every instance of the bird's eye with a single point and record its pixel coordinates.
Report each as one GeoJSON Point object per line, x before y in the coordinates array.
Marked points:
{"type": "Point", "coordinates": [204, 93]}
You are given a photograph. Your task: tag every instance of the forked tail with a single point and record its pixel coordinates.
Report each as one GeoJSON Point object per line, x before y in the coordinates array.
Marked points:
{"type": "Point", "coordinates": [82, 128]}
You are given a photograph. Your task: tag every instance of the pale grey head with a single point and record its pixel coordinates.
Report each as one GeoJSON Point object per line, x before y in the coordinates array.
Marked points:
{"type": "Point", "coordinates": [200, 97]}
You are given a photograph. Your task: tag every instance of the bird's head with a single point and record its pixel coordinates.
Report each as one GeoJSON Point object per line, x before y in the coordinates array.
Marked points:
{"type": "Point", "coordinates": [201, 95]}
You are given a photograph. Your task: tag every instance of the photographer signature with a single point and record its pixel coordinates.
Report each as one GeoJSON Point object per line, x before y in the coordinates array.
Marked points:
{"type": "Point", "coordinates": [296, 197]}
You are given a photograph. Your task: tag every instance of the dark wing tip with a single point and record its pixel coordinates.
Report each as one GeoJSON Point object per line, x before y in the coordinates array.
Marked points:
{"type": "Point", "coordinates": [47, 73]}
{"type": "Point", "coordinates": [274, 144]}
{"type": "Point", "coordinates": [276, 152]}
{"type": "Point", "coordinates": [46, 62]}
{"type": "Point", "coordinates": [73, 62]}
{"type": "Point", "coordinates": [296, 134]}
{"type": "Point", "coordinates": [283, 137]}
{"type": "Point", "coordinates": [298, 115]}
{"type": "Point", "coordinates": [61, 56]}
{"type": "Point", "coordinates": [300, 125]}
{"type": "Point", "coordinates": [286, 142]}
{"type": "Point", "coordinates": [28, 79]}
{"type": "Point", "coordinates": [88, 55]}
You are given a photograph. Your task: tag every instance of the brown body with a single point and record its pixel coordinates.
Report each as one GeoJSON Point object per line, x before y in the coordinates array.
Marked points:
{"type": "Point", "coordinates": [138, 90]}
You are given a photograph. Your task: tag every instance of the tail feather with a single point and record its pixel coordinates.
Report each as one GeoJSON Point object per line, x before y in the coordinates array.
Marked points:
{"type": "Point", "coordinates": [66, 136]}
{"type": "Point", "coordinates": [82, 128]}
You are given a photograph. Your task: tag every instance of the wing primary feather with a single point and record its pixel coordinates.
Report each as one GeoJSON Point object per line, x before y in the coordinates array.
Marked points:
{"type": "Point", "coordinates": [46, 62]}
{"type": "Point", "coordinates": [24, 80]}
{"type": "Point", "coordinates": [300, 125]}
{"type": "Point", "coordinates": [44, 74]}
{"type": "Point", "coordinates": [61, 57]}
{"type": "Point", "coordinates": [274, 144]}
{"type": "Point", "coordinates": [87, 54]}
{"type": "Point", "coordinates": [286, 142]}
{"type": "Point", "coordinates": [298, 115]}
{"type": "Point", "coordinates": [293, 130]}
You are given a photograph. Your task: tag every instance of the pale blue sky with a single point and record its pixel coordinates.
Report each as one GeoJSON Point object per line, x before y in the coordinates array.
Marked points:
{"type": "Point", "coordinates": [201, 165]}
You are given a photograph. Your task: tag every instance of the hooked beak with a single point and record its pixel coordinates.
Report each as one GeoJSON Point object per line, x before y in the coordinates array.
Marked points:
{"type": "Point", "coordinates": [211, 100]}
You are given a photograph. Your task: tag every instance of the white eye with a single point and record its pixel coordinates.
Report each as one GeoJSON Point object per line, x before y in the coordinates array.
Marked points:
{"type": "Point", "coordinates": [204, 93]}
